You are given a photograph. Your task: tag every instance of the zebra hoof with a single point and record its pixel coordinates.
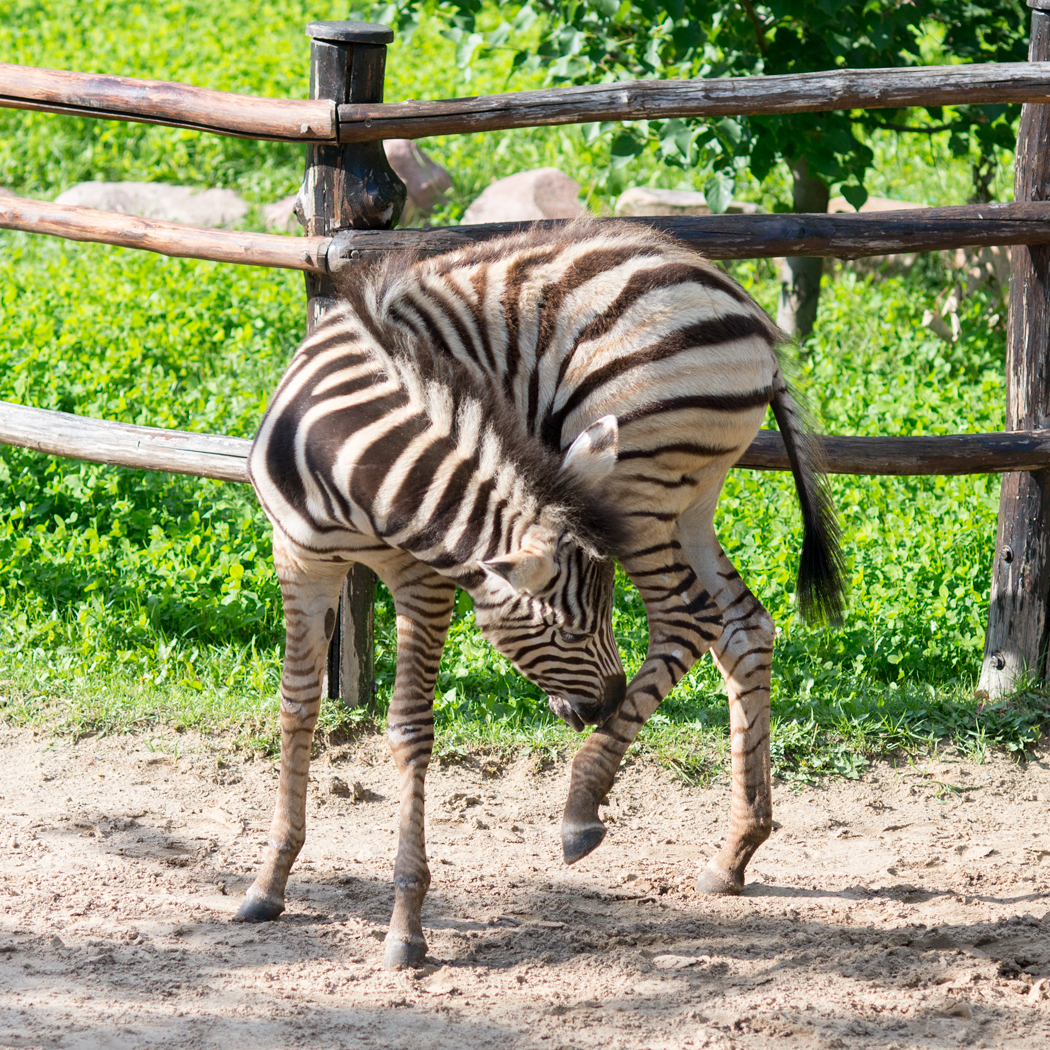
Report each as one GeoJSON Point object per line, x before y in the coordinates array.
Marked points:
{"type": "Point", "coordinates": [258, 909]}
{"type": "Point", "coordinates": [577, 842]}
{"type": "Point", "coordinates": [713, 881]}
{"type": "Point", "coordinates": [401, 952]}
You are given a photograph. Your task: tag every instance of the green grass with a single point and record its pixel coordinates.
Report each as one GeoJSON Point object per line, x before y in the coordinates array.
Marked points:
{"type": "Point", "coordinates": [130, 599]}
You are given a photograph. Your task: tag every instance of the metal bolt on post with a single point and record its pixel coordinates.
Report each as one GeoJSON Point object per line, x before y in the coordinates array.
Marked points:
{"type": "Point", "coordinates": [348, 186]}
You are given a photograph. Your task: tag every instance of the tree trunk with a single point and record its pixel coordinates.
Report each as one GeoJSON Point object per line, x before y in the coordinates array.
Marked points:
{"type": "Point", "coordinates": [800, 276]}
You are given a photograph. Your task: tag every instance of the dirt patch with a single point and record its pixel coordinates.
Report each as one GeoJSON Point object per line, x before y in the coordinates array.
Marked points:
{"type": "Point", "coordinates": [910, 909]}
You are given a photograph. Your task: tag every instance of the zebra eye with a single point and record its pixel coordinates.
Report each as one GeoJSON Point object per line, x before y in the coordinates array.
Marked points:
{"type": "Point", "coordinates": [571, 637]}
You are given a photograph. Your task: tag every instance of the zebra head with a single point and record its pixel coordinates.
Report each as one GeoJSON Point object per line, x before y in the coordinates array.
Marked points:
{"type": "Point", "coordinates": [546, 603]}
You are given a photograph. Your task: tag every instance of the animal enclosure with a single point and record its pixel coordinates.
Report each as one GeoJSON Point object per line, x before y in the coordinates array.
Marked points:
{"type": "Point", "coordinates": [348, 110]}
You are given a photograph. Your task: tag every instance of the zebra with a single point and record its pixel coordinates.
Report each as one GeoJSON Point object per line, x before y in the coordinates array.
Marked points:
{"type": "Point", "coordinates": [600, 320]}
{"type": "Point", "coordinates": [379, 448]}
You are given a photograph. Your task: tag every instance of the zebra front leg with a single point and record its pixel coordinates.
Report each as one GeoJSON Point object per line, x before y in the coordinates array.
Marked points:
{"type": "Point", "coordinates": [311, 597]}
{"type": "Point", "coordinates": [744, 655]}
{"type": "Point", "coordinates": [424, 602]}
{"type": "Point", "coordinates": [683, 623]}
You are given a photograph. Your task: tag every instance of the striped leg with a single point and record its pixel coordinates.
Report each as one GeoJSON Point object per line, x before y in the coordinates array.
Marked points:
{"type": "Point", "coordinates": [744, 655]}
{"type": "Point", "coordinates": [728, 619]}
{"type": "Point", "coordinates": [683, 623]}
{"type": "Point", "coordinates": [311, 597]}
{"type": "Point", "coordinates": [423, 601]}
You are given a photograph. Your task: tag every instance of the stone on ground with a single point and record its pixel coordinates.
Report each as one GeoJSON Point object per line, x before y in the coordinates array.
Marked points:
{"type": "Point", "coordinates": [874, 204]}
{"type": "Point", "coordinates": [543, 193]}
{"type": "Point", "coordinates": [427, 181]}
{"type": "Point", "coordinates": [159, 200]}
{"type": "Point", "coordinates": [645, 200]}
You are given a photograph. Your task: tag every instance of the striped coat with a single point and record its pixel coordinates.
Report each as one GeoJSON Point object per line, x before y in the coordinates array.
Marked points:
{"type": "Point", "coordinates": [614, 319]}
{"type": "Point", "coordinates": [609, 346]}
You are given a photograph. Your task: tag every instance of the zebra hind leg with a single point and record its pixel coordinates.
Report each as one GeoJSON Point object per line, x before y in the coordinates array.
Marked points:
{"type": "Point", "coordinates": [311, 597]}
{"type": "Point", "coordinates": [743, 653]}
{"type": "Point", "coordinates": [424, 602]}
{"type": "Point", "coordinates": [683, 623]}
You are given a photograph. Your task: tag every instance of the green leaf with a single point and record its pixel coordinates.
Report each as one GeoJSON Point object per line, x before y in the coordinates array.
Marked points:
{"type": "Point", "coordinates": [625, 147]}
{"type": "Point", "coordinates": [719, 191]}
{"type": "Point", "coordinates": [467, 48]}
{"type": "Point", "coordinates": [855, 194]}
{"type": "Point", "coordinates": [731, 130]}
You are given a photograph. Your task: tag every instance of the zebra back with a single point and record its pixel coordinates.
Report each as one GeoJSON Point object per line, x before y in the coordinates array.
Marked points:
{"type": "Point", "coordinates": [616, 319]}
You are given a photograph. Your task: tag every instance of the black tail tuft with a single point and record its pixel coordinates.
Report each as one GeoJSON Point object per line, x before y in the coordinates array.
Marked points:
{"type": "Point", "coordinates": [821, 588]}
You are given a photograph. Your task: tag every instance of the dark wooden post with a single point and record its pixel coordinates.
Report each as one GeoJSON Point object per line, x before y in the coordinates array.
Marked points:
{"type": "Point", "coordinates": [348, 186]}
{"type": "Point", "coordinates": [1016, 642]}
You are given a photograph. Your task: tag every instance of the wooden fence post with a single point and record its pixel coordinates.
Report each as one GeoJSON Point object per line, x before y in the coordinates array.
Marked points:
{"type": "Point", "coordinates": [1016, 641]}
{"type": "Point", "coordinates": [349, 186]}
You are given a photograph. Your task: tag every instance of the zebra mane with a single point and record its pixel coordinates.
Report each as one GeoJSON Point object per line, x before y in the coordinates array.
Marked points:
{"type": "Point", "coordinates": [589, 518]}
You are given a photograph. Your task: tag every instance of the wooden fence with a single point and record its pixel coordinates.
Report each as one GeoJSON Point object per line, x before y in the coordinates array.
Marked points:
{"type": "Point", "coordinates": [351, 197]}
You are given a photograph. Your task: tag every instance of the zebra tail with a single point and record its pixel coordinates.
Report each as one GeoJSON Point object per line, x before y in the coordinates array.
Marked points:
{"type": "Point", "coordinates": [821, 587]}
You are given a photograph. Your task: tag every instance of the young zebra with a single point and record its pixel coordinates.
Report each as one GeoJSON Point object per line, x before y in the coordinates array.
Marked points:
{"type": "Point", "coordinates": [377, 449]}
{"type": "Point", "coordinates": [600, 320]}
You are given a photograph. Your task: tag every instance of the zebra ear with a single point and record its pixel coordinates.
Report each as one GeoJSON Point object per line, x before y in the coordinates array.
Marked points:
{"type": "Point", "coordinates": [528, 569]}
{"type": "Point", "coordinates": [592, 456]}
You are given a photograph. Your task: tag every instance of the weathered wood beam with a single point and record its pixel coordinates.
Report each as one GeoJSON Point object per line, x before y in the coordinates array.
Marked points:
{"type": "Point", "coordinates": [348, 187]}
{"type": "Point", "coordinates": [717, 236]}
{"type": "Point", "coordinates": [1018, 614]}
{"type": "Point", "coordinates": [166, 238]}
{"type": "Point", "coordinates": [166, 102]}
{"type": "Point", "coordinates": [315, 120]}
{"type": "Point", "coordinates": [124, 444]}
{"type": "Point", "coordinates": [945, 454]}
{"type": "Point", "coordinates": [225, 458]}
{"type": "Point", "coordinates": [846, 236]}
{"type": "Point", "coordinates": [704, 97]}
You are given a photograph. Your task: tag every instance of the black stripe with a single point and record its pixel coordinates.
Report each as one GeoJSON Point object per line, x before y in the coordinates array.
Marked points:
{"type": "Point", "coordinates": [683, 448]}
{"type": "Point", "coordinates": [478, 514]}
{"type": "Point", "coordinates": [516, 276]}
{"type": "Point", "coordinates": [374, 464]}
{"type": "Point", "coordinates": [709, 332]}
{"type": "Point", "coordinates": [668, 275]}
{"type": "Point", "coordinates": [705, 402]}
{"type": "Point", "coordinates": [418, 478]}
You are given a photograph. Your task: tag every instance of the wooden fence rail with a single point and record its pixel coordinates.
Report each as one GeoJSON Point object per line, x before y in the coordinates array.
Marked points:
{"type": "Point", "coordinates": [322, 120]}
{"type": "Point", "coordinates": [225, 458]}
{"type": "Point", "coordinates": [722, 97]}
{"type": "Point", "coordinates": [124, 444]}
{"type": "Point", "coordinates": [165, 102]}
{"type": "Point", "coordinates": [717, 236]}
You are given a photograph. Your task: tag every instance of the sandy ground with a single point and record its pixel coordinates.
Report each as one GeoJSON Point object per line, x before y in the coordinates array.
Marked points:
{"type": "Point", "coordinates": [911, 909]}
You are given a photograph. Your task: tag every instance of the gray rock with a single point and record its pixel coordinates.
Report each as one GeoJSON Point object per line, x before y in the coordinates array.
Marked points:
{"type": "Point", "coordinates": [543, 193]}
{"type": "Point", "coordinates": [158, 200]}
{"type": "Point", "coordinates": [280, 215]}
{"type": "Point", "coordinates": [426, 180]}
{"type": "Point", "coordinates": [873, 204]}
{"type": "Point", "coordinates": [644, 200]}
